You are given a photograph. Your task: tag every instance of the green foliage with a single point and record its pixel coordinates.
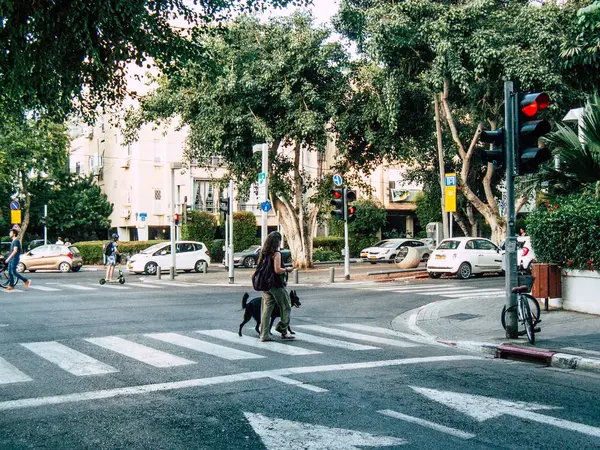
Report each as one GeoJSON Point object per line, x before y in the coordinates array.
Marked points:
{"type": "Point", "coordinates": [567, 232]}
{"type": "Point", "coordinates": [244, 230]}
{"type": "Point", "coordinates": [216, 251]}
{"type": "Point", "coordinates": [201, 226]}
{"type": "Point", "coordinates": [429, 208]}
{"type": "Point", "coordinates": [329, 243]}
{"type": "Point", "coordinates": [92, 251]}
{"type": "Point", "coordinates": [581, 48]}
{"type": "Point", "coordinates": [362, 233]}
{"type": "Point", "coordinates": [326, 255]}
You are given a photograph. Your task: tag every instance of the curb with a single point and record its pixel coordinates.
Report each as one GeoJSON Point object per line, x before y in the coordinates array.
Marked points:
{"type": "Point", "coordinates": [504, 350]}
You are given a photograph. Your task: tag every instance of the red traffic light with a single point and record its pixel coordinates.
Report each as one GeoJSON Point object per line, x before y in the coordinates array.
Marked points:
{"type": "Point", "coordinates": [337, 193]}
{"type": "Point", "coordinates": [532, 103]}
{"type": "Point", "coordinates": [352, 210]}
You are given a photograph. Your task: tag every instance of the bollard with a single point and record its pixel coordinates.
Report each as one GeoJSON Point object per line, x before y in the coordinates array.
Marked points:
{"type": "Point", "coordinates": [296, 276]}
{"type": "Point", "coordinates": [158, 273]}
{"type": "Point", "coordinates": [171, 273]}
{"type": "Point", "coordinates": [204, 268]}
{"type": "Point", "coordinates": [331, 274]}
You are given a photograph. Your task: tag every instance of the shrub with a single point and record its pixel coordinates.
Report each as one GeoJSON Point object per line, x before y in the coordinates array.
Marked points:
{"type": "Point", "coordinates": [244, 230]}
{"type": "Point", "coordinates": [325, 255]}
{"type": "Point", "coordinates": [201, 226]}
{"type": "Point", "coordinates": [370, 217]}
{"type": "Point", "coordinates": [93, 251]}
{"type": "Point", "coordinates": [216, 250]}
{"type": "Point", "coordinates": [329, 243]}
{"type": "Point", "coordinates": [567, 232]}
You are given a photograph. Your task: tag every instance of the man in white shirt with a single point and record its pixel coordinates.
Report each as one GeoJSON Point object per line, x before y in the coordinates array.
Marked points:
{"type": "Point", "coordinates": [59, 241]}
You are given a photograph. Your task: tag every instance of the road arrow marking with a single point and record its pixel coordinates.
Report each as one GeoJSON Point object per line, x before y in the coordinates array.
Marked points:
{"type": "Point", "coordinates": [279, 433]}
{"type": "Point", "coordinates": [483, 408]}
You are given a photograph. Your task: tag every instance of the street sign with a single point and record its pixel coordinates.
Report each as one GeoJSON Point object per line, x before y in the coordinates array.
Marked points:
{"type": "Point", "coordinates": [450, 192]}
{"type": "Point", "coordinates": [338, 180]}
{"type": "Point", "coordinates": [143, 216]}
{"type": "Point", "coordinates": [265, 206]}
{"type": "Point", "coordinates": [14, 205]}
{"type": "Point", "coordinates": [262, 186]}
{"type": "Point", "coordinates": [15, 216]}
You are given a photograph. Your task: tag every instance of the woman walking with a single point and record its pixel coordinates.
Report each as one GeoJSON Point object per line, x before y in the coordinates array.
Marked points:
{"type": "Point", "coordinates": [278, 294]}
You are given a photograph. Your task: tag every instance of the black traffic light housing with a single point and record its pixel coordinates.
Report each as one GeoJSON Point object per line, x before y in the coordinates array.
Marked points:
{"type": "Point", "coordinates": [224, 205]}
{"type": "Point", "coordinates": [495, 154]}
{"type": "Point", "coordinates": [176, 218]}
{"type": "Point", "coordinates": [529, 130]}
{"type": "Point", "coordinates": [350, 210]}
{"type": "Point", "coordinates": [337, 201]}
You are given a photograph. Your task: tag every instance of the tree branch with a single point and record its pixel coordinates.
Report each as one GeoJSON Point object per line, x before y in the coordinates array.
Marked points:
{"type": "Point", "coordinates": [451, 123]}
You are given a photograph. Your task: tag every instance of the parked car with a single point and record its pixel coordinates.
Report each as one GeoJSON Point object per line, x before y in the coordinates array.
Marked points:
{"type": "Point", "coordinates": [189, 255]}
{"type": "Point", "coordinates": [465, 256]}
{"type": "Point", "coordinates": [36, 243]}
{"type": "Point", "coordinates": [525, 253]}
{"type": "Point", "coordinates": [249, 257]}
{"type": "Point", "coordinates": [51, 257]}
{"type": "Point", "coordinates": [388, 250]}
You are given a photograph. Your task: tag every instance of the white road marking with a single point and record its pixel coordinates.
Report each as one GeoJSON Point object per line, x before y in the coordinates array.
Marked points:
{"type": "Point", "coordinates": [78, 287]}
{"type": "Point", "coordinates": [38, 287]}
{"type": "Point", "coordinates": [581, 350]}
{"type": "Point", "coordinates": [487, 293]}
{"type": "Point", "coordinates": [139, 352]}
{"type": "Point", "coordinates": [425, 423]}
{"type": "Point", "coordinates": [203, 346]}
{"type": "Point", "coordinates": [483, 408]}
{"type": "Point", "coordinates": [68, 359]}
{"type": "Point", "coordinates": [114, 286]}
{"type": "Point", "coordinates": [459, 291]}
{"type": "Point", "coordinates": [357, 336]}
{"type": "Point", "coordinates": [436, 290]}
{"type": "Point", "coordinates": [278, 433]}
{"type": "Point", "coordinates": [172, 284]}
{"type": "Point", "coordinates": [290, 349]}
{"type": "Point", "coordinates": [422, 287]}
{"type": "Point", "coordinates": [308, 387]}
{"type": "Point", "coordinates": [212, 381]}
{"type": "Point", "coordinates": [333, 342]}
{"type": "Point", "coordinates": [146, 285]}
{"type": "Point", "coordinates": [381, 330]}
{"type": "Point", "coordinates": [14, 291]}
{"type": "Point", "coordinates": [10, 374]}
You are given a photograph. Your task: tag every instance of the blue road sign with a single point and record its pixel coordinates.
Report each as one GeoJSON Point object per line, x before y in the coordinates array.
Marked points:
{"type": "Point", "coordinates": [14, 205]}
{"type": "Point", "coordinates": [338, 180]}
{"type": "Point", "coordinates": [265, 206]}
{"type": "Point", "coordinates": [450, 180]}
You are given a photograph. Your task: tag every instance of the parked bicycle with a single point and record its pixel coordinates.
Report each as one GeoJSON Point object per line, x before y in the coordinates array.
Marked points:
{"type": "Point", "coordinates": [528, 309]}
{"type": "Point", "coordinates": [4, 279]}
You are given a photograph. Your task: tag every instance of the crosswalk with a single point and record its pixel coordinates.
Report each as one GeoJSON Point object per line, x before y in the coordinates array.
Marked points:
{"type": "Point", "coordinates": [68, 287]}
{"type": "Point", "coordinates": [446, 290]}
{"type": "Point", "coordinates": [104, 355]}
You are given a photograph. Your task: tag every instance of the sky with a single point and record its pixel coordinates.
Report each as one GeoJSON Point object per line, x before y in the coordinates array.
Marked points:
{"type": "Point", "coordinates": [322, 10]}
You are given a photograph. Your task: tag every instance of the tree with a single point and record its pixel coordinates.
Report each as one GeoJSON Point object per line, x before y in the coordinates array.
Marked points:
{"type": "Point", "coordinates": [370, 218]}
{"type": "Point", "coordinates": [201, 226]}
{"type": "Point", "coordinates": [30, 150]}
{"type": "Point", "coordinates": [460, 53]}
{"type": "Point", "coordinates": [54, 52]}
{"type": "Point", "coordinates": [279, 82]}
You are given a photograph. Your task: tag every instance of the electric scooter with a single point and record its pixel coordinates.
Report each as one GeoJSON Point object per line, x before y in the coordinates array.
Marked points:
{"type": "Point", "coordinates": [121, 277]}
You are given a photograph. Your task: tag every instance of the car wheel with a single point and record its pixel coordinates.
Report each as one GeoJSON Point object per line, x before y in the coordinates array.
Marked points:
{"type": "Point", "coordinates": [150, 268]}
{"type": "Point", "coordinates": [250, 262]}
{"type": "Point", "coordinates": [200, 266]}
{"type": "Point", "coordinates": [32, 270]}
{"type": "Point", "coordinates": [426, 257]}
{"type": "Point", "coordinates": [75, 269]}
{"type": "Point", "coordinates": [372, 262]}
{"type": "Point", "coordinates": [20, 268]}
{"type": "Point", "coordinates": [434, 275]}
{"type": "Point", "coordinates": [464, 271]}
{"type": "Point", "coordinates": [187, 270]}
{"type": "Point", "coordinates": [64, 267]}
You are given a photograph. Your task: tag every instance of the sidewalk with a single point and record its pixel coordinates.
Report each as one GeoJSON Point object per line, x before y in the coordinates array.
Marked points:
{"type": "Point", "coordinates": [567, 339]}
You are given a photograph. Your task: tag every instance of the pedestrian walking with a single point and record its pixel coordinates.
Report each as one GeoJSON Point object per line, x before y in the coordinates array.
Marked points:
{"type": "Point", "coordinates": [13, 261]}
{"type": "Point", "coordinates": [59, 241]}
{"type": "Point", "coordinates": [278, 294]}
{"type": "Point", "coordinates": [67, 241]}
{"type": "Point", "coordinates": [112, 253]}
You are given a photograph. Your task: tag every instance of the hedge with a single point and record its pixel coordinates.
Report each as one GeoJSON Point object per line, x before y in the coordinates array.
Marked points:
{"type": "Point", "coordinates": [329, 243]}
{"type": "Point", "coordinates": [216, 250]}
{"type": "Point", "coordinates": [92, 251]}
{"type": "Point", "coordinates": [244, 230]}
{"type": "Point", "coordinates": [567, 232]}
{"type": "Point", "coordinates": [201, 226]}
{"type": "Point", "coordinates": [326, 255]}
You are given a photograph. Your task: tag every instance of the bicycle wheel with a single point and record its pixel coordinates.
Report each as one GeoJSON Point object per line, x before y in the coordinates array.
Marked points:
{"type": "Point", "coordinates": [4, 278]}
{"type": "Point", "coordinates": [528, 321]}
{"type": "Point", "coordinates": [534, 307]}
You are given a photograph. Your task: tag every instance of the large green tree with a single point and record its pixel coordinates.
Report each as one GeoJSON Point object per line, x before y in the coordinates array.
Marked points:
{"type": "Point", "coordinates": [52, 52]}
{"type": "Point", "coordinates": [280, 82]}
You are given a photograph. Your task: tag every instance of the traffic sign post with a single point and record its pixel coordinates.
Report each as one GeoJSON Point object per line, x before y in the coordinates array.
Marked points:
{"type": "Point", "coordinates": [15, 217]}
{"type": "Point", "coordinates": [15, 205]}
{"type": "Point", "coordinates": [450, 196]}
{"type": "Point", "coordinates": [338, 180]}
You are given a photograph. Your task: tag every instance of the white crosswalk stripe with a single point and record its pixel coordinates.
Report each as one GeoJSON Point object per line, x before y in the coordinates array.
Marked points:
{"type": "Point", "coordinates": [10, 374]}
{"type": "Point", "coordinates": [320, 340]}
{"type": "Point", "coordinates": [203, 346]}
{"type": "Point", "coordinates": [145, 285]}
{"type": "Point", "coordinates": [116, 287]}
{"type": "Point", "coordinates": [381, 330]}
{"type": "Point", "coordinates": [357, 336]}
{"type": "Point", "coordinates": [68, 359]}
{"type": "Point", "coordinates": [432, 290]}
{"type": "Point", "coordinates": [38, 287]}
{"type": "Point", "coordinates": [78, 287]}
{"type": "Point", "coordinates": [15, 291]}
{"type": "Point", "coordinates": [139, 352]}
{"type": "Point", "coordinates": [291, 349]}
{"type": "Point", "coordinates": [475, 293]}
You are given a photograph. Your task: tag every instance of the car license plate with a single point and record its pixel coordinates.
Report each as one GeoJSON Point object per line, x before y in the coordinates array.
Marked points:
{"type": "Point", "coordinates": [129, 266]}
{"type": "Point", "coordinates": [440, 256]}
{"type": "Point", "coordinates": [373, 257]}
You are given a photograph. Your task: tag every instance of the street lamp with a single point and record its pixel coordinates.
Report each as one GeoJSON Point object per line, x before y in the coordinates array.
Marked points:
{"type": "Point", "coordinates": [263, 187]}
{"type": "Point", "coordinates": [174, 166]}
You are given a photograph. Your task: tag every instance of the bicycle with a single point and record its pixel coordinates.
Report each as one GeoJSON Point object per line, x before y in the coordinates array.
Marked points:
{"type": "Point", "coordinates": [4, 278]}
{"type": "Point", "coordinates": [528, 309]}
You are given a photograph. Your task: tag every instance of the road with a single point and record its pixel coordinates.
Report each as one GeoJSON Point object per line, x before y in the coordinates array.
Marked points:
{"type": "Point", "coordinates": [159, 365]}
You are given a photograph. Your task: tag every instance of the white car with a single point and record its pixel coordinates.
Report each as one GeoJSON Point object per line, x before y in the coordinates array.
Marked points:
{"type": "Point", "coordinates": [525, 253]}
{"type": "Point", "coordinates": [189, 256]}
{"type": "Point", "coordinates": [388, 250]}
{"type": "Point", "coordinates": [465, 256]}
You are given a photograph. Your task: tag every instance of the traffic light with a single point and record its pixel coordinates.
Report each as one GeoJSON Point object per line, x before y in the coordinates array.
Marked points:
{"type": "Point", "coordinates": [529, 131]}
{"type": "Point", "coordinates": [224, 205]}
{"type": "Point", "coordinates": [351, 210]}
{"type": "Point", "coordinates": [338, 202]}
{"type": "Point", "coordinates": [495, 154]}
{"type": "Point", "coordinates": [176, 218]}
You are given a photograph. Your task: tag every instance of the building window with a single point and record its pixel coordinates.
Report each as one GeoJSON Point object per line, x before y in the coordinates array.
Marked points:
{"type": "Point", "coordinates": [157, 201]}
{"type": "Point", "coordinates": [158, 159]}
{"type": "Point", "coordinates": [206, 196]}
{"type": "Point", "coordinates": [77, 167]}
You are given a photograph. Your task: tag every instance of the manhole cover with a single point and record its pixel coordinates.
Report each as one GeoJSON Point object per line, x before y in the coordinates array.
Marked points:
{"type": "Point", "coordinates": [462, 316]}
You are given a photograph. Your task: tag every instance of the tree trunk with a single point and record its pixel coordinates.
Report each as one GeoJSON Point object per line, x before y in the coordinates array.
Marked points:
{"type": "Point", "coordinates": [441, 165]}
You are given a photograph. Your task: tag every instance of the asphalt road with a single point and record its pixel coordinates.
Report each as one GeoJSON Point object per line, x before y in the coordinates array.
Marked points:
{"type": "Point", "coordinates": [159, 365]}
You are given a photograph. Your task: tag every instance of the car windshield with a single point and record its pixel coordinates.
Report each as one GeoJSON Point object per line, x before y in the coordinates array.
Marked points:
{"type": "Point", "coordinates": [449, 245]}
{"type": "Point", "coordinates": [153, 248]}
{"type": "Point", "coordinates": [252, 249]}
{"type": "Point", "coordinates": [390, 244]}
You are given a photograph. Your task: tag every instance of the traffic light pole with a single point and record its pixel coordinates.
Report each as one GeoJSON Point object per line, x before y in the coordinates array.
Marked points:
{"type": "Point", "coordinates": [511, 240]}
{"type": "Point", "coordinates": [230, 249]}
{"type": "Point", "coordinates": [346, 246]}
{"type": "Point", "coordinates": [45, 224]}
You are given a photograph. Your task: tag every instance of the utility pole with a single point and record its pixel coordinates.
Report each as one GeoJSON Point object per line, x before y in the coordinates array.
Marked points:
{"type": "Point", "coordinates": [230, 253]}
{"type": "Point", "coordinates": [441, 165]}
{"type": "Point", "coordinates": [265, 197]}
{"type": "Point", "coordinates": [346, 245]}
{"type": "Point", "coordinates": [173, 270]}
{"type": "Point", "coordinates": [511, 241]}
{"type": "Point", "coordinates": [45, 224]}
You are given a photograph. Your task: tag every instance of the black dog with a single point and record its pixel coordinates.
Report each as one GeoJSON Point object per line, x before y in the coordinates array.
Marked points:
{"type": "Point", "coordinates": [252, 309]}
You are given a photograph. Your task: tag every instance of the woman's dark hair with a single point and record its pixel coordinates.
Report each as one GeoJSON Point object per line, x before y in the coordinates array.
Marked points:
{"type": "Point", "coordinates": [271, 245]}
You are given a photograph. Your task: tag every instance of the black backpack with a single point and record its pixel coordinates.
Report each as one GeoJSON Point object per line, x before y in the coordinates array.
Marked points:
{"type": "Point", "coordinates": [108, 249]}
{"type": "Point", "coordinates": [263, 278]}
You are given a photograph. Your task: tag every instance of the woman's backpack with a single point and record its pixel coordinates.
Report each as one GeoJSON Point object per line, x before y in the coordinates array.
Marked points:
{"type": "Point", "coordinates": [108, 249]}
{"type": "Point", "coordinates": [263, 278]}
